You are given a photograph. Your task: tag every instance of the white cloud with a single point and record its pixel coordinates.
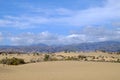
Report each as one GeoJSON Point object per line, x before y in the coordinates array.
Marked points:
{"type": "Point", "coordinates": [96, 15]}
{"type": "Point", "coordinates": [61, 16]}
{"type": "Point", "coordinates": [22, 21]}
{"type": "Point", "coordinates": [5, 22]}
{"type": "Point", "coordinates": [88, 34]}
{"type": "Point", "coordinates": [31, 38]}
{"type": "Point", "coordinates": [76, 38]}
{"type": "Point", "coordinates": [102, 33]}
{"type": "Point", "coordinates": [1, 37]}
{"type": "Point", "coordinates": [92, 34]}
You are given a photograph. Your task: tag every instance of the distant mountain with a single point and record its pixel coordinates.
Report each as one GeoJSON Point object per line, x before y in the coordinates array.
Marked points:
{"type": "Point", "coordinates": [40, 44]}
{"type": "Point", "coordinates": [109, 46]}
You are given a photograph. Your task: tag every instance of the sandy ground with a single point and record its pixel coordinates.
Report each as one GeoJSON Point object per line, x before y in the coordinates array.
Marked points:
{"type": "Point", "coordinates": [61, 70]}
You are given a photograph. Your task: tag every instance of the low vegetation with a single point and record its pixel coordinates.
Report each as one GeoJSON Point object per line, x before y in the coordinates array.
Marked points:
{"type": "Point", "coordinates": [12, 61]}
{"type": "Point", "coordinates": [20, 58]}
{"type": "Point", "coordinates": [46, 57]}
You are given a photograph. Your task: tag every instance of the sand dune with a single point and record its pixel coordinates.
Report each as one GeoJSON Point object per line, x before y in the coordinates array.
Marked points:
{"type": "Point", "coordinates": [61, 70]}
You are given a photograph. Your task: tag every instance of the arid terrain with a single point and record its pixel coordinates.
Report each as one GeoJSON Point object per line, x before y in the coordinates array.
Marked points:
{"type": "Point", "coordinates": [62, 69]}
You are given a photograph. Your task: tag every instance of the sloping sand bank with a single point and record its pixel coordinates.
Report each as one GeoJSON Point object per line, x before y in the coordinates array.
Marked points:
{"type": "Point", "coordinates": [61, 70]}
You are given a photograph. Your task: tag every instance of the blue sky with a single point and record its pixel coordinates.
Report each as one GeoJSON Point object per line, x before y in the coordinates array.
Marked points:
{"type": "Point", "coordinates": [25, 22]}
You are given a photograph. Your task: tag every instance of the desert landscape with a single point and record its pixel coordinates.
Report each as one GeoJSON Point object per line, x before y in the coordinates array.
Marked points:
{"type": "Point", "coordinates": [62, 66]}
{"type": "Point", "coordinates": [59, 39]}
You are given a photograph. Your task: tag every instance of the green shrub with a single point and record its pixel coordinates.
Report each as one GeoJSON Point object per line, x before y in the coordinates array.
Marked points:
{"type": "Point", "coordinates": [46, 57]}
{"type": "Point", "coordinates": [12, 61]}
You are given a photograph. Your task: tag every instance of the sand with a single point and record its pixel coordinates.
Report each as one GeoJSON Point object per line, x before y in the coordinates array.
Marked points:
{"type": "Point", "coordinates": [61, 70]}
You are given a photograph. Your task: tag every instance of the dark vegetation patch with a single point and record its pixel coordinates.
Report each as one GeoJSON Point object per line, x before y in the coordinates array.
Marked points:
{"type": "Point", "coordinates": [12, 61]}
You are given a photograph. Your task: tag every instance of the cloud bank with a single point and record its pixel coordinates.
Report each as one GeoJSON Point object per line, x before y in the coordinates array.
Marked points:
{"type": "Point", "coordinates": [87, 34]}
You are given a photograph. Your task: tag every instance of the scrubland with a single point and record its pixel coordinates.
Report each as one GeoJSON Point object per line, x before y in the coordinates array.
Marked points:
{"type": "Point", "coordinates": [62, 66]}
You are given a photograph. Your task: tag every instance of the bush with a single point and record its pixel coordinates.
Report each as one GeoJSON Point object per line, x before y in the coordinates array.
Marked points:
{"type": "Point", "coordinates": [46, 57]}
{"type": "Point", "coordinates": [12, 61]}
{"type": "Point", "coordinates": [118, 60]}
{"type": "Point", "coordinates": [81, 57]}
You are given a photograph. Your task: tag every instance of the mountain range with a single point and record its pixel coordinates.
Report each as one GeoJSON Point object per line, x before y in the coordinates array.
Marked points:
{"type": "Point", "coordinates": [109, 46]}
